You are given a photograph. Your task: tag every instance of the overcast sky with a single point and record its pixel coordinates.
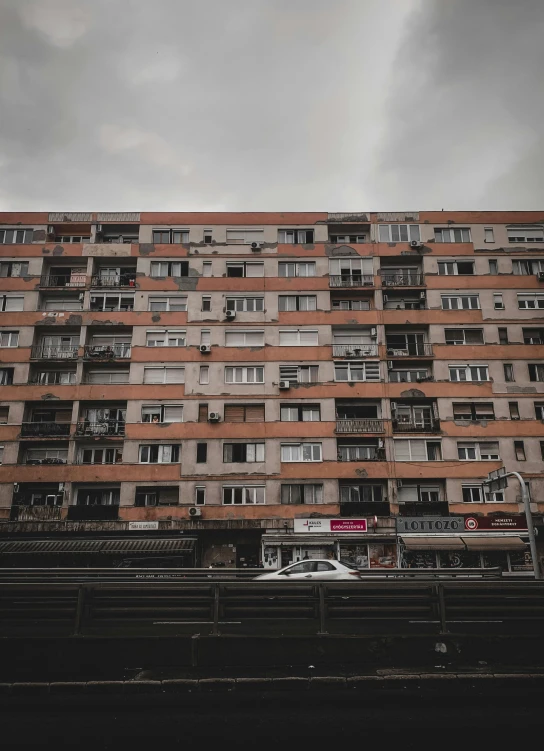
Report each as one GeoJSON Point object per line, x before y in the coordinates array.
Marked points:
{"type": "Point", "coordinates": [327, 105]}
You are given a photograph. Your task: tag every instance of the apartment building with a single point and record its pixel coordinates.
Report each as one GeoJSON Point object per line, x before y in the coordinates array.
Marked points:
{"type": "Point", "coordinates": [246, 389]}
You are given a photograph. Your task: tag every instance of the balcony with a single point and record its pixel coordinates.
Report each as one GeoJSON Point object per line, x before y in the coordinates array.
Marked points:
{"type": "Point", "coordinates": [359, 426]}
{"type": "Point", "coordinates": [64, 280]}
{"type": "Point", "coordinates": [352, 217]}
{"type": "Point", "coordinates": [42, 429]}
{"type": "Point", "coordinates": [107, 351]}
{"type": "Point", "coordinates": [53, 352]}
{"type": "Point", "coordinates": [112, 428]}
{"type": "Point", "coordinates": [28, 513]}
{"type": "Point", "coordinates": [416, 426]}
{"type": "Point", "coordinates": [354, 350]}
{"type": "Point", "coordinates": [363, 454]}
{"type": "Point", "coordinates": [97, 512]}
{"type": "Point", "coordinates": [115, 280]}
{"type": "Point", "coordinates": [356, 280]}
{"type": "Point", "coordinates": [418, 349]}
{"type": "Point", "coordinates": [402, 280]}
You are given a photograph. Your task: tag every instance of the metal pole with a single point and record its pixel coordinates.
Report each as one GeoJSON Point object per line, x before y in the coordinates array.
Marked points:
{"type": "Point", "coordinates": [530, 526]}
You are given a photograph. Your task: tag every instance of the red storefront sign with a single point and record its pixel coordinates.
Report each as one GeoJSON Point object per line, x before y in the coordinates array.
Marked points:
{"type": "Point", "coordinates": [495, 523]}
{"type": "Point", "coordinates": [348, 525]}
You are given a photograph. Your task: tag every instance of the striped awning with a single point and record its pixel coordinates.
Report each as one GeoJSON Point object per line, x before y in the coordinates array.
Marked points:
{"type": "Point", "coordinates": [100, 547]}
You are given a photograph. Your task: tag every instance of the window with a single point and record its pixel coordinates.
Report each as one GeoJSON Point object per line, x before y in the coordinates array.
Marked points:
{"type": "Point", "coordinates": [536, 372]}
{"type": "Point", "coordinates": [460, 302]}
{"type": "Point", "coordinates": [478, 451]}
{"type": "Point", "coordinates": [169, 268]}
{"type": "Point", "coordinates": [394, 233]}
{"type": "Point", "coordinates": [296, 269]}
{"type": "Point", "coordinates": [16, 236]}
{"type": "Point", "coordinates": [348, 270]}
{"type": "Point", "coordinates": [202, 413]}
{"type": "Point", "coordinates": [525, 234]}
{"type": "Point", "coordinates": [109, 302]}
{"type": "Point", "coordinates": [300, 413]}
{"type": "Point", "coordinates": [294, 236]}
{"type": "Point", "coordinates": [297, 302]}
{"type": "Point", "coordinates": [244, 374]}
{"type": "Point", "coordinates": [245, 304]}
{"type": "Point", "coordinates": [514, 410]}
{"type": "Point", "coordinates": [533, 336]}
{"type": "Point", "coordinates": [201, 453]}
{"type": "Point", "coordinates": [358, 452]}
{"type": "Point", "coordinates": [527, 267]}
{"type": "Point", "coordinates": [245, 269]}
{"type": "Point", "coordinates": [207, 268]}
{"type": "Point", "coordinates": [204, 375]}
{"type": "Point", "coordinates": [98, 496]}
{"type": "Point", "coordinates": [100, 455]}
{"type": "Point", "coordinates": [170, 236]}
{"type": "Point", "coordinates": [178, 304]}
{"type": "Point", "coordinates": [409, 376]}
{"type": "Point", "coordinates": [357, 371]}
{"type": "Point", "coordinates": [164, 453]}
{"type": "Point", "coordinates": [206, 303]}
{"type": "Point", "coordinates": [9, 338]}
{"type": "Point", "coordinates": [493, 266]}
{"type": "Point", "coordinates": [489, 235]}
{"type": "Point", "coordinates": [237, 338]}
{"type": "Point", "coordinates": [205, 336]}
{"type": "Point", "coordinates": [469, 373]}
{"type": "Point", "coordinates": [107, 376]}
{"type": "Point", "coordinates": [299, 373]}
{"type": "Point", "coordinates": [348, 238]}
{"type": "Point", "coordinates": [542, 449]}
{"type": "Point", "coordinates": [503, 335]}
{"type": "Point", "coordinates": [301, 452]}
{"type": "Point", "coordinates": [302, 494]}
{"type": "Point", "coordinates": [4, 412]}
{"type": "Point", "coordinates": [166, 338]}
{"type": "Point", "coordinates": [451, 235]}
{"type": "Point", "coordinates": [6, 376]}
{"type": "Point", "coordinates": [13, 268]}
{"type": "Point", "coordinates": [63, 303]}
{"type": "Point", "coordinates": [519, 449]}
{"type": "Point", "coordinates": [415, 450]}
{"type": "Point", "coordinates": [72, 239]}
{"type": "Point", "coordinates": [480, 494]}
{"type": "Point", "coordinates": [456, 268]}
{"type": "Point", "coordinates": [531, 300]}
{"type": "Point", "coordinates": [361, 494]}
{"type": "Point", "coordinates": [539, 410]}
{"type": "Point", "coordinates": [464, 336]}
{"type": "Point", "coordinates": [243, 452]}
{"type": "Point", "coordinates": [351, 304]}
{"type": "Point", "coordinates": [239, 495]}
{"type": "Point", "coordinates": [473, 411]}
{"type": "Point", "coordinates": [162, 413]}
{"type": "Point", "coordinates": [508, 369]}
{"type": "Point", "coordinates": [244, 236]}
{"type": "Point", "coordinates": [164, 375]}
{"type": "Point", "coordinates": [419, 494]}
{"type": "Point", "coordinates": [10, 303]}
{"type": "Point", "coordinates": [298, 337]}
{"type": "Point", "coordinates": [200, 495]}
{"type": "Point", "coordinates": [41, 456]}
{"type": "Point", "coordinates": [244, 413]}
{"type": "Point", "coordinates": [497, 301]}
{"type": "Point", "coordinates": [55, 377]}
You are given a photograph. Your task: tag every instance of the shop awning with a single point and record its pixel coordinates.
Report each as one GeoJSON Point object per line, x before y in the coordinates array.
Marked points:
{"type": "Point", "coordinates": [100, 547]}
{"type": "Point", "coordinates": [433, 543]}
{"type": "Point", "coordinates": [494, 543]}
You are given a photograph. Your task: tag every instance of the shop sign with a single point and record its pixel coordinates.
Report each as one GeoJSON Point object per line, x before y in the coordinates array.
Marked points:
{"type": "Point", "coordinates": [493, 523]}
{"type": "Point", "coordinates": [142, 525]}
{"type": "Point", "coordinates": [430, 524]}
{"type": "Point", "coordinates": [330, 525]}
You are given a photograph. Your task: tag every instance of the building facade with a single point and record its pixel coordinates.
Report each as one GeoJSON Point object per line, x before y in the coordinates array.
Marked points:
{"type": "Point", "coordinates": [204, 389]}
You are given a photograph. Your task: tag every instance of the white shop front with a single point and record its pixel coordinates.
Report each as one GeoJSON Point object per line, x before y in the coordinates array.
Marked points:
{"type": "Point", "coordinates": [352, 540]}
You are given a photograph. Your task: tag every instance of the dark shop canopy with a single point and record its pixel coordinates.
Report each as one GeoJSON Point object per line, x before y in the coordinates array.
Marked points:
{"type": "Point", "coordinates": [101, 547]}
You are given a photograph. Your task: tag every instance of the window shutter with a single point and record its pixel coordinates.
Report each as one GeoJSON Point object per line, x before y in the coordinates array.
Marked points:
{"type": "Point", "coordinates": [173, 413]}
{"type": "Point", "coordinates": [202, 413]}
{"type": "Point", "coordinates": [174, 375]}
{"type": "Point", "coordinates": [402, 451]}
{"type": "Point", "coordinates": [255, 413]}
{"type": "Point", "coordinates": [407, 495]}
{"type": "Point", "coordinates": [419, 450]}
{"type": "Point", "coordinates": [308, 337]}
{"type": "Point", "coordinates": [234, 413]}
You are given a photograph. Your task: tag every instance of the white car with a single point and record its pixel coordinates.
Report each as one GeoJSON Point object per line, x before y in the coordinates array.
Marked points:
{"type": "Point", "coordinates": [314, 570]}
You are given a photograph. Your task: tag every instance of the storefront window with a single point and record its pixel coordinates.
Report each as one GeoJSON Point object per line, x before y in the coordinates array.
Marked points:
{"type": "Point", "coordinates": [356, 555]}
{"type": "Point", "coordinates": [459, 559]}
{"type": "Point", "coordinates": [521, 560]}
{"type": "Point", "coordinates": [495, 559]}
{"type": "Point", "coordinates": [419, 559]}
{"type": "Point", "coordinates": [382, 556]}
{"type": "Point", "coordinates": [375, 555]}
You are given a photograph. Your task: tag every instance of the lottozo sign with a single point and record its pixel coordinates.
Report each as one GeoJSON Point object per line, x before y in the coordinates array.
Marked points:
{"type": "Point", "coordinates": [430, 524]}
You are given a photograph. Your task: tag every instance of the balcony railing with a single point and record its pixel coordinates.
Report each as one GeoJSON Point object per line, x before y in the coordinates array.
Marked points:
{"type": "Point", "coordinates": [356, 280]}
{"type": "Point", "coordinates": [27, 513]}
{"type": "Point", "coordinates": [422, 349]}
{"type": "Point", "coordinates": [369, 454]}
{"type": "Point", "coordinates": [416, 426]}
{"type": "Point", "coordinates": [354, 350]}
{"type": "Point", "coordinates": [120, 280]}
{"type": "Point", "coordinates": [359, 426]}
{"type": "Point", "coordinates": [354, 217]}
{"type": "Point", "coordinates": [60, 378]}
{"type": "Point", "coordinates": [53, 352]}
{"type": "Point", "coordinates": [64, 280]}
{"type": "Point", "coordinates": [30, 429]}
{"type": "Point", "coordinates": [102, 428]}
{"type": "Point", "coordinates": [403, 280]}
{"type": "Point", "coordinates": [107, 351]}
{"type": "Point", "coordinates": [96, 512]}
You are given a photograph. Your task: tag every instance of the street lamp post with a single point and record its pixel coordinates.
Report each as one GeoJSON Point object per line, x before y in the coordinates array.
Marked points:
{"type": "Point", "coordinates": [497, 480]}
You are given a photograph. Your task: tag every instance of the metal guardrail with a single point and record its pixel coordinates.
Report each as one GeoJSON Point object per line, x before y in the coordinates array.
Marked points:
{"type": "Point", "coordinates": [29, 429]}
{"type": "Point", "coordinates": [250, 608]}
{"type": "Point", "coordinates": [64, 280]}
{"type": "Point", "coordinates": [53, 352]}
{"type": "Point", "coordinates": [354, 350]}
{"type": "Point", "coordinates": [423, 349]}
{"type": "Point", "coordinates": [122, 280]}
{"type": "Point", "coordinates": [104, 427]}
{"type": "Point", "coordinates": [359, 426]}
{"type": "Point", "coordinates": [402, 280]}
{"type": "Point", "coordinates": [410, 426]}
{"type": "Point", "coordinates": [357, 280]}
{"type": "Point", "coordinates": [107, 351]}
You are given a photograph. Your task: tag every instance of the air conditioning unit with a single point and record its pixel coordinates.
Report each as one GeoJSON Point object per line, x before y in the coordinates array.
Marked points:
{"type": "Point", "coordinates": [230, 315]}
{"type": "Point", "coordinates": [416, 244]}
{"type": "Point", "coordinates": [285, 384]}
{"type": "Point", "coordinates": [399, 484]}
{"type": "Point", "coordinates": [255, 247]}
{"type": "Point", "coordinates": [195, 511]}
{"type": "Point", "coordinates": [390, 351]}
{"type": "Point", "coordinates": [205, 349]}
{"type": "Point", "coordinates": [540, 276]}
{"type": "Point", "coordinates": [373, 333]}
{"type": "Point", "coordinates": [214, 417]}
{"type": "Point", "coordinates": [390, 365]}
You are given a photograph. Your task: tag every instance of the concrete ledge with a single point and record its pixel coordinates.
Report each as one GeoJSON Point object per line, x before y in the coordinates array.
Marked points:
{"type": "Point", "coordinates": [180, 686]}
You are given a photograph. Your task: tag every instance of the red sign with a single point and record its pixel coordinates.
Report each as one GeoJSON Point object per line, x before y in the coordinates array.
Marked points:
{"type": "Point", "coordinates": [348, 525]}
{"type": "Point", "coordinates": [495, 523]}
